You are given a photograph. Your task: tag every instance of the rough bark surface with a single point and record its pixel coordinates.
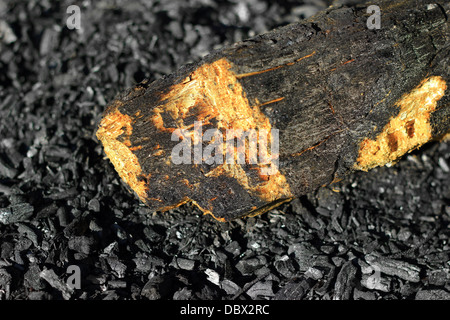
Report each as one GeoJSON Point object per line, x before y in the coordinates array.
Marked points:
{"type": "Point", "coordinates": [342, 96]}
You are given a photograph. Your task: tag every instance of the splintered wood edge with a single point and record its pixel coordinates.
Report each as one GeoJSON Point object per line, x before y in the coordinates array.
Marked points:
{"type": "Point", "coordinates": [114, 132]}
{"type": "Point", "coordinates": [410, 129]}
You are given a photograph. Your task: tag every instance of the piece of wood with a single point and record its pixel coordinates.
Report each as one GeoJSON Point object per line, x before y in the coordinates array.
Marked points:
{"type": "Point", "coordinates": [343, 97]}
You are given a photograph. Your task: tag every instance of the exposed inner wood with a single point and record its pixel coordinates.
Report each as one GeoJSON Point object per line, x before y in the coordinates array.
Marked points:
{"type": "Point", "coordinates": [114, 132]}
{"type": "Point", "coordinates": [408, 130]}
{"type": "Point", "coordinates": [213, 92]}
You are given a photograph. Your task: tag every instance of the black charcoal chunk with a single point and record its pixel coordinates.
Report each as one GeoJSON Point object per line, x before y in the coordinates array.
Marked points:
{"type": "Point", "coordinates": [81, 244]}
{"type": "Point", "coordinates": [233, 248]}
{"type": "Point", "coordinates": [294, 290]}
{"type": "Point", "coordinates": [345, 281]}
{"type": "Point", "coordinates": [47, 211]}
{"type": "Point", "coordinates": [285, 266]}
{"type": "Point", "coordinates": [363, 295]}
{"type": "Point", "coordinates": [6, 170]}
{"type": "Point", "coordinates": [401, 269]}
{"type": "Point", "coordinates": [16, 213]}
{"type": "Point", "coordinates": [57, 283]}
{"type": "Point", "coordinates": [230, 287]}
{"type": "Point", "coordinates": [28, 232]}
{"type": "Point", "coordinates": [183, 294]}
{"type": "Point", "coordinates": [32, 278]}
{"type": "Point", "coordinates": [261, 290]}
{"type": "Point", "coordinates": [117, 266]}
{"type": "Point", "coordinates": [251, 265]}
{"type": "Point", "coordinates": [94, 205]}
{"type": "Point", "coordinates": [433, 294]}
{"type": "Point", "coordinates": [305, 253]}
{"type": "Point", "coordinates": [5, 284]}
{"type": "Point", "coordinates": [64, 194]}
{"type": "Point", "coordinates": [182, 263]}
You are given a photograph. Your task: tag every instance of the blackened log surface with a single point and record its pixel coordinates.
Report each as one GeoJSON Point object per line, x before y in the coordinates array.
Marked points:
{"type": "Point", "coordinates": [342, 96]}
{"type": "Point", "coordinates": [55, 83]}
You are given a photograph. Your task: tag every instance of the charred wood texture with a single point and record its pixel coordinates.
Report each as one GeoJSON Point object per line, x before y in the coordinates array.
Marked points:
{"type": "Point", "coordinates": [343, 97]}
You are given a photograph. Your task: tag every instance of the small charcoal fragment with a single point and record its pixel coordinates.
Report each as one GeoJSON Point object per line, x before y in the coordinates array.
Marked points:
{"type": "Point", "coordinates": [182, 263]}
{"type": "Point", "coordinates": [250, 265]}
{"type": "Point", "coordinates": [433, 294]}
{"type": "Point", "coordinates": [294, 290]}
{"type": "Point", "coordinates": [16, 213]}
{"type": "Point", "coordinates": [260, 290]}
{"type": "Point", "coordinates": [6, 170]}
{"type": "Point", "coordinates": [81, 244]}
{"type": "Point", "coordinates": [401, 269]}
{"type": "Point", "coordinates": [344, 282]}
{"type": "Point", "coordinates": [230, 287]}
{"type": "Point", "coordinates": [5, 284]}
{"type": "Point", "coordinates": [50, 276]}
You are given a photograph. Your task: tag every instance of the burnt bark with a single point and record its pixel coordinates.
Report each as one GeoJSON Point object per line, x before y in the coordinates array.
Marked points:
{"type": "Point", "coordinates": [343, 97]}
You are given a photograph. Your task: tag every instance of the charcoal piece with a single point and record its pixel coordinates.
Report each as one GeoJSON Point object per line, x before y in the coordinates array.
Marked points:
{"type": "Point", "coordinates": [183, 294]}
{"type": "Point", "coordinates": [376, 282]}
{"type": "Point", "coordinates": [230, 287]}
{"type": "Point", "coordinates": [261, 290]}
{"type": "Point", "coordinates": [208, 292]}
{"type": "Point", "coordinates": [81, 244]}
{"type": "Point", "coordinates": [52, 278]}
{"type": "Point", "coordinates": [438, 277]}
{"type": "Point", "coordinates": [152, 235]}
{"type": "Point", "coordinates": [94, 205]}
{"type": "Point", "coordinates": [47, 211]}
{"type": "Point", "coordinates": [294, 290]}
{"type": "Point", "coordinates": [110, 295]}
{"type": "Point", "coordinates": [182, 263]}
{"type": "Point", "coordinates": [250, 265]}
{"type": "Point", "coordinates": [363, 295]}
{"type": "Point", "coordinates": [5, 189]}
{"type": "Point", "coordinates": [39, 295]}
{"type": "Point", "coordinates": [313, 273]}
{"type": "Point", "coordinates": [76, 227]}
{"type": "Point", "coordinates": [28, 232]}
{"type": "Point", "coordinates": [345, 281]}
{"type": "Point", "coordinates": [6, 170]}
{"type": "Point", "coordinates": [285, 267]}
{"type": "Point", "coordinates": [157, 287]}
{"type": "Point", "coordinates": [305, 254]}
{"type": "Point", "coordinates": [433, 294]}
{"type": "Point", "coordinates": [338, 261]}
{"type": "Point", "coordinates": [117, 284]}
{"type": "Point", "coordinates": [16, 213]}
{"type": "Point", "coordinates": [143, 263]}
{"type": "Point", "coordinates": [233, 248]}
{"type": "Point", "coordinates": [443, 164]}
{"type": "Point", "coordinates": [62, 216]}
{"type": "Point", "coordinates": [118, 267]}
{"type": "Point", "coordinates": [410, 289]}
{"type": "Point", "coordinates": [120, 233]}
{"type": "Point", "coordinates": [5, 284]}
{"type": "Point", "coordinates": [96, 279]}
{"type": "Point", "coordinates": [13, 155]}
{"type": "Point", "coordinates": [93, 226]}
{"type": "Point", "coordinates": [212, 276]}
{"type": "Point", "coordinates": [64, 194]}
{"type": "Point", "coordinates": [6, 250]}
{"type": "Point", "coordinates": [32, 278]}
{"type": "Point", "coordinates": [401, 269]}
{"type": "Point", "coordinates": [7, 34]}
